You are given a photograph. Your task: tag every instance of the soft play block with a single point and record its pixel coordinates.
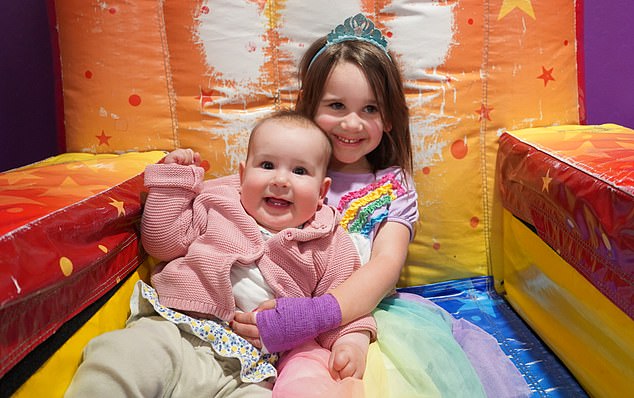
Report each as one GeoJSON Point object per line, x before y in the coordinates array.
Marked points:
{"type": "Point", "coordinates": [54, 375]}
{"type": "Point", "coordinates": [568, 194]}
{"type": "Point", "coordinates": [575, 185]}
{"type": "Point", "coordinates": [68, 235]}
{"type": "Point", "coordinates": [589, 334]}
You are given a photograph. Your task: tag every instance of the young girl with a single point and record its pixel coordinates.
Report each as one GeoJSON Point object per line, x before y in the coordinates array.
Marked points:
{"type": "Point", "coordinates": [352, 88]}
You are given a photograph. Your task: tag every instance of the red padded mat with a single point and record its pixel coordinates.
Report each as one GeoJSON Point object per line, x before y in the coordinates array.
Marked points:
{"type": "Point", "coordinates": [68, 234]}
{"type": "Point", "coordinates": [575, 185]}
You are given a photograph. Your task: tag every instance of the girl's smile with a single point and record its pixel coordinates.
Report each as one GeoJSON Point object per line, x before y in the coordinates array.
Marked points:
{"type": "Point", "coordinates": [344, 140]}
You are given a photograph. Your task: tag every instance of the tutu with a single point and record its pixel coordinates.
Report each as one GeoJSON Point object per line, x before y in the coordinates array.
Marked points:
{"type": "Point", "coordinates": [416, 354]}
{"type": "Point", "coordinates": [402, 322]}
{"type": "Point", "coordinates": [421, 351]}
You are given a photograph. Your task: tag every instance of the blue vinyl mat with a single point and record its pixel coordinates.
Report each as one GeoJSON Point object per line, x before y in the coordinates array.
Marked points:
{"type": "Point", "coordinates": [476, 300]}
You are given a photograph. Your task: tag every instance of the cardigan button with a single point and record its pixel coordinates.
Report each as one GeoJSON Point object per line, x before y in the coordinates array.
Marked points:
{"type": "Point", "coordinates": [288, 235]}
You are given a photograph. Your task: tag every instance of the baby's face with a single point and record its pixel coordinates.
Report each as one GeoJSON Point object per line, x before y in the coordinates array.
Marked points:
{"type": "Point", "coordinates": [283, 181]}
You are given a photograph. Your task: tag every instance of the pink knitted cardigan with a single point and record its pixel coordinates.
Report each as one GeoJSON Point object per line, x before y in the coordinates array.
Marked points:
{"type": "Point", "coordinates": [201, 230]}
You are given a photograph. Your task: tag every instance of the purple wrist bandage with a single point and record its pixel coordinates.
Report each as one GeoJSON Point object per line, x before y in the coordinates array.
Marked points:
{"type": "Point", "coordinates": [296, 320]}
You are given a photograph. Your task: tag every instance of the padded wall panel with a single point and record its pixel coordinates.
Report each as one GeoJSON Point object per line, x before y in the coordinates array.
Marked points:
{"type": "Point", "coordinates": [115, 75]}
{"type": "Point", "coordinates": [198, 73]}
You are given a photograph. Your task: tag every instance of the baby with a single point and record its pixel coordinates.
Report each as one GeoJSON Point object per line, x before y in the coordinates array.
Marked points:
{"type": "Point", "coordinates": [228, 244]}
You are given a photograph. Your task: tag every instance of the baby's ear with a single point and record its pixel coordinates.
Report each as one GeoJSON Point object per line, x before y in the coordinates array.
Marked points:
{"type": "Point", "coordinates": [323, 191]}
{"type": "Point", "coordinates": [241, 171]}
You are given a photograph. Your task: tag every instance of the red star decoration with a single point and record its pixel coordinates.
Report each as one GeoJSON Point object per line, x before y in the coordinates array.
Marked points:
{"type": "Point", "coordinates": [205, 97]}
{"type": "Point", "coordinates": [484, 112]}
{"type": "Point", "coordinates": [547, 74]}
{"type": "Point", "coordinates": [103, 138]}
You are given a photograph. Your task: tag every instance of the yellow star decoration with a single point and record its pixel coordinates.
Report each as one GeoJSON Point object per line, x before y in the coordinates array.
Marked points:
{"type": "Point", "coordinates": [118, 205]}
{"type": "Point", "coordinates": [510, 5]}
{"type": "Point", "coordinates": [14, 177]}
{"type": "Point", "coordinates": [101, 166]}
{"type": "Point", "coordinates": [6, 200]}
{"type": "Point", "coordinates": [546, 182]}
{"type": "Point", "coordinates": [71, 188]}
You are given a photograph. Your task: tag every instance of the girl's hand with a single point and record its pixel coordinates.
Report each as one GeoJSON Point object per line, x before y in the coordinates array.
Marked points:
{"type": "Point", "coordinates": [348, 356]}
{"type": "Point", "coordinates": [183, 157]}
{"type": "Point", "coordinates": [245, 325]}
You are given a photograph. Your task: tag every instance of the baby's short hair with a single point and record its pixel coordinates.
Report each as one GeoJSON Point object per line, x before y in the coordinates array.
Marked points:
{"type": "Point", "coordinates": [293, 118]}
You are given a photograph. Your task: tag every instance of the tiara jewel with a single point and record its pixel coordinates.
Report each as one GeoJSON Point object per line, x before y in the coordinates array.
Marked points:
{"type": "Point", "coordinates": [358, 27]}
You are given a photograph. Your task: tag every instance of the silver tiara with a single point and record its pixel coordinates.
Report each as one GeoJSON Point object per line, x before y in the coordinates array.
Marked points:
{"type": "Point", "coordinates": [355, 28]}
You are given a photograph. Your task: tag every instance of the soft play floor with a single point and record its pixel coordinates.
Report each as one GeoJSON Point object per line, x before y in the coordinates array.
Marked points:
{"type": "Point", "coordinates": [475, 300]}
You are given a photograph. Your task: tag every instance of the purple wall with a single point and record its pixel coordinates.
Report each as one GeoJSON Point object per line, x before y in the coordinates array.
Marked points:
{"type": "Point", "coordinates": [28, 129]}
{"type": "Point", "coordinates": [609, 61]}
{"type": "Point", "coordinates": [27, 90]}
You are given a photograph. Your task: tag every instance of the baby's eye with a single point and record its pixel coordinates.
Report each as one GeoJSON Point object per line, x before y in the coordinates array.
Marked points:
{"type": "Point", "coordinates": [267, 165]}
{"type": "Point", "coordinates": [300, 171]}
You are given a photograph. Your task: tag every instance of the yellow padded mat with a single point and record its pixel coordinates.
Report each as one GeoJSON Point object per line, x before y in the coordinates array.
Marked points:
{"type": "Point", "coordinates": [593, 337]}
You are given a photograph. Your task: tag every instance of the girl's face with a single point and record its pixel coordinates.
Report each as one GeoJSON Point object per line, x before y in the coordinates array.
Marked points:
{"type": "Point", "coordinates": [350, 115]}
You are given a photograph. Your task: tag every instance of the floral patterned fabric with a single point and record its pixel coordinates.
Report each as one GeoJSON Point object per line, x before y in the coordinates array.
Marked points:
{"type": "Point", "coordinates": [256, 366]}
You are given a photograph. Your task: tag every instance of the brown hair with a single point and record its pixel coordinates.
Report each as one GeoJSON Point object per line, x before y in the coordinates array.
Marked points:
{"type": "Point", "coordinates": [293, 118]}
{"type": "Point", "coordinates": [385, 79]}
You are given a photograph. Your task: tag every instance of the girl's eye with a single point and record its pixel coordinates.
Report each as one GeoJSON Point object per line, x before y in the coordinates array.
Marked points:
{"type": "Point", "coordinates": [371, 109]}
{"type": "Point", "coordinates": [337, 105]}
{"type": "Point", "coordinates": [267, 165]}
{"type": "Point", "coordinates": [300, 171]}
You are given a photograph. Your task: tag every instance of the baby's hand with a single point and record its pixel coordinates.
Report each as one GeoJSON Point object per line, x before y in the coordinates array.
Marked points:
{"type": "Point", "coordinates": [245, 323]}
{"type": "Point", "coordinates": [348, 356]}
{"type": "Point", "coordinates": [183, 157]}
